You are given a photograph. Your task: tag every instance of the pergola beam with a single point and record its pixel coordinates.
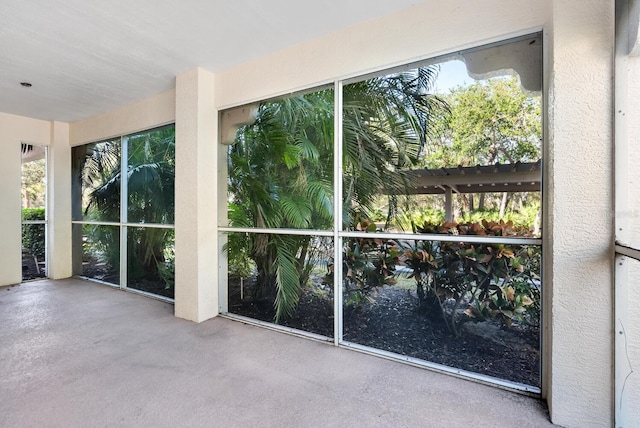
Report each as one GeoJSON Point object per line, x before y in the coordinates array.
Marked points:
{"type": "Point", "coordinates": [511, 181]}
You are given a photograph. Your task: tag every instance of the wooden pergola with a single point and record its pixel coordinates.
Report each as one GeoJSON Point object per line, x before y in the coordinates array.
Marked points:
{"type": "Point", "coordinates": [516, 177]}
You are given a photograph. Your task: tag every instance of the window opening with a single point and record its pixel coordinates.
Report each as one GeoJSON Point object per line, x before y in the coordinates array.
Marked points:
{"type": "Point", "coordinates": [34, 212]}
{"type": "Point", "coordinates": [438, 193]}
{"type": "Point", "coordinates": [123, 228]}
{"type": "Point", "coordinates": [280, 212]}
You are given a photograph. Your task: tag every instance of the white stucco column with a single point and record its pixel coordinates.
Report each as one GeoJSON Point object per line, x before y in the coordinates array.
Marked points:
{"type": "Point", "coordinates": [59, 202]}
{"type": "Point", "coordinates": [578, 259]}
{"type": "Point", "coordinates": [10, 219]}
{"type": "Point", "coordinates": [196, 291]}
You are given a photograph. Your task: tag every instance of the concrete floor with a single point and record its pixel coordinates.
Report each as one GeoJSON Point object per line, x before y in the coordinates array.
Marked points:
{"type": "Point", "coordinates": [78, 354]}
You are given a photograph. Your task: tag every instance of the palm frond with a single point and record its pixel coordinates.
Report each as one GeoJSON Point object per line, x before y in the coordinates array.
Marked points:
{"type": "Point", "coordinates": [287, 281]}
{"type": "Point", "coordinates": [296, 211]}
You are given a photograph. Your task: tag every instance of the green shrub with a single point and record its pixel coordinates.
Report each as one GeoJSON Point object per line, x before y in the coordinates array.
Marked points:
{"type": "Point", "coordinates": [33, 214]}
{"type": "Point", "coordinates": [525, 218]}
{"type": "Point", "coordinates": [367, 263]}
{"type": "Point", "coordinates": [410, 221]}
{"type": "Point", "coordinates": [493, 281]}
{"type": "Point", "coordinates": [33, 235]}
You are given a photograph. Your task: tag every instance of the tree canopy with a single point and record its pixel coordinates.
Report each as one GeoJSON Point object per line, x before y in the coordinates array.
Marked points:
{"type": "Point", "coordinates": [491, 121]}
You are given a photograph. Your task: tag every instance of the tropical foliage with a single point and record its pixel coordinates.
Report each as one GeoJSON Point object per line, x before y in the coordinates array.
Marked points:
{"type": "Point", "coordinates": [491, 121]}
{"type": "Point", "coordinates": [387, 123]}
{"type": "Point", "coordinates": [150, 187]}
{"type": "Point", "coordinates": [33, 235]}
{"type": "Point", "coordinates": [281, 176]}
{"type": "Point", "coordinates": [476, 281]}
{"type": "Point", "coordinates": [33, 183]}
{"type": "Point", "coordinates": [281, 170]}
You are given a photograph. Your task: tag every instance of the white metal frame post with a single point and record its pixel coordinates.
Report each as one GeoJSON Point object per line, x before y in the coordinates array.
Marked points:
{"type": "Point", "coordinates": [624, 255]}
{"type": "Point", "coordinates": [124, 206]}
{"type": "Point", "coordinates": [337, 215]}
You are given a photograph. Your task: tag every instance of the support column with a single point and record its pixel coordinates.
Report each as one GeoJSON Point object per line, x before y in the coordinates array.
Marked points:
{"type": "Point", "coordinates": [196, 290]}
{"type": "Point", "coordinates": [59, 202]}
{"type": "Point", "coordinates": [10, 217]}
{"type": "Point", "coordinates": [578, 227]}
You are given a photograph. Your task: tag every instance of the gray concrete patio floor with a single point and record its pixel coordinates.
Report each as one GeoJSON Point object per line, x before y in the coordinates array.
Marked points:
{"type": "Point", "coordinates": [79, 354]}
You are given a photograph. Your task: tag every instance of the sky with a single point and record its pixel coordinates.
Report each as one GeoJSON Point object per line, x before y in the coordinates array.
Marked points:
{"type": "Point", "coordinates": [452, 74]}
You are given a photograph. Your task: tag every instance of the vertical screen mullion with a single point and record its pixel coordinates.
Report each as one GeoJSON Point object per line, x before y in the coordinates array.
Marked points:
{"type": "Point", "coordinates": [337, 216]}
{"type": "Point", "coordinates": [124, 171]}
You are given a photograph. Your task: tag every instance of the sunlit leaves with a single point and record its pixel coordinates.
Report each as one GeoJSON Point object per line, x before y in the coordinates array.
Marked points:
{"type": "Point", "coordinates": [486, 280]}
{"type": "Point", "coordinates": [491, 121]}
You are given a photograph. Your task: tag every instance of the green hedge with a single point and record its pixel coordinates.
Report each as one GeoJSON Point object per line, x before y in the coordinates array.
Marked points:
{"type": "Point", "coordinates": [33, 235]}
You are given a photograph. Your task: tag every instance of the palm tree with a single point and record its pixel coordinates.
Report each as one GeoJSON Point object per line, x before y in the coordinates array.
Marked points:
{"type": "Point", "coordinates": [281, 169]}
{"type": "Point", "coordinates": [151, 200]}
{"type": "Point", "coordinates": [281, 176]}
{"type": "Point", "coordinates": [150, 189]}
{"type": "Point", "coordinates": [387, 126]}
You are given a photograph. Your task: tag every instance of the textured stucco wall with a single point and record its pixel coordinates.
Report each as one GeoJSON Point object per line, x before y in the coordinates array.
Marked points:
{"type": "Point", "coordinates": [145, 114]}
{"type": "Point", "coordinates": [13, 131]}
{"type": "Point", "coordinates": [196, 294]}
{"type": "Point", "coordinates": [579, 219]}
{"type": "Point", "coordinates": [59, 202]}
{"type": "Point", "coordinates": [427, 29]}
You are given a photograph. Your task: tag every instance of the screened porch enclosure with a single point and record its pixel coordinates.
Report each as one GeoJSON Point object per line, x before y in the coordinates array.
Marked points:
{"type": "Point", "coordinates": [123, 212]}
{"type": "Point", "coordinates": [395, 214]}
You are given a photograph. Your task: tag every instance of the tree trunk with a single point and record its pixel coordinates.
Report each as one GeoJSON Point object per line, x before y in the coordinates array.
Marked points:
{"type": "Point", "coordinates": [537, 223]}
{"type": "Point", "coordinates": [503, 204]}
{"type": "Point", "coordinates": [457, 211]}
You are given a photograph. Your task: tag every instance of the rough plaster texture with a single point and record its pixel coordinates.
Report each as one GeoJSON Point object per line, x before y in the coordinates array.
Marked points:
{"type": "Point", "coordinates": [13, 131]}
{"type": "Point", "coordinates": [580, 221]}
{"type": "Point", "coordinates": [196, 293]}
{"type": "Point", "coordinates": [148, 113]}
{"type": "Point", "coordinates": [76, 354]}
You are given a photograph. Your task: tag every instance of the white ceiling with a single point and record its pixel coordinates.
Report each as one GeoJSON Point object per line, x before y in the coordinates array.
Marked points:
{"type": "Point", "coordinates": [86, 57]}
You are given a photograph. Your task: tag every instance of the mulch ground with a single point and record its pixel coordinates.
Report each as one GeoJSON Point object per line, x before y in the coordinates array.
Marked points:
{"type": "Point", "coordinates": [393, 323]}
{"type": "Point", "coordinates": [29, 270]}
{"type": "Point", "coordinates": [104, 273]}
